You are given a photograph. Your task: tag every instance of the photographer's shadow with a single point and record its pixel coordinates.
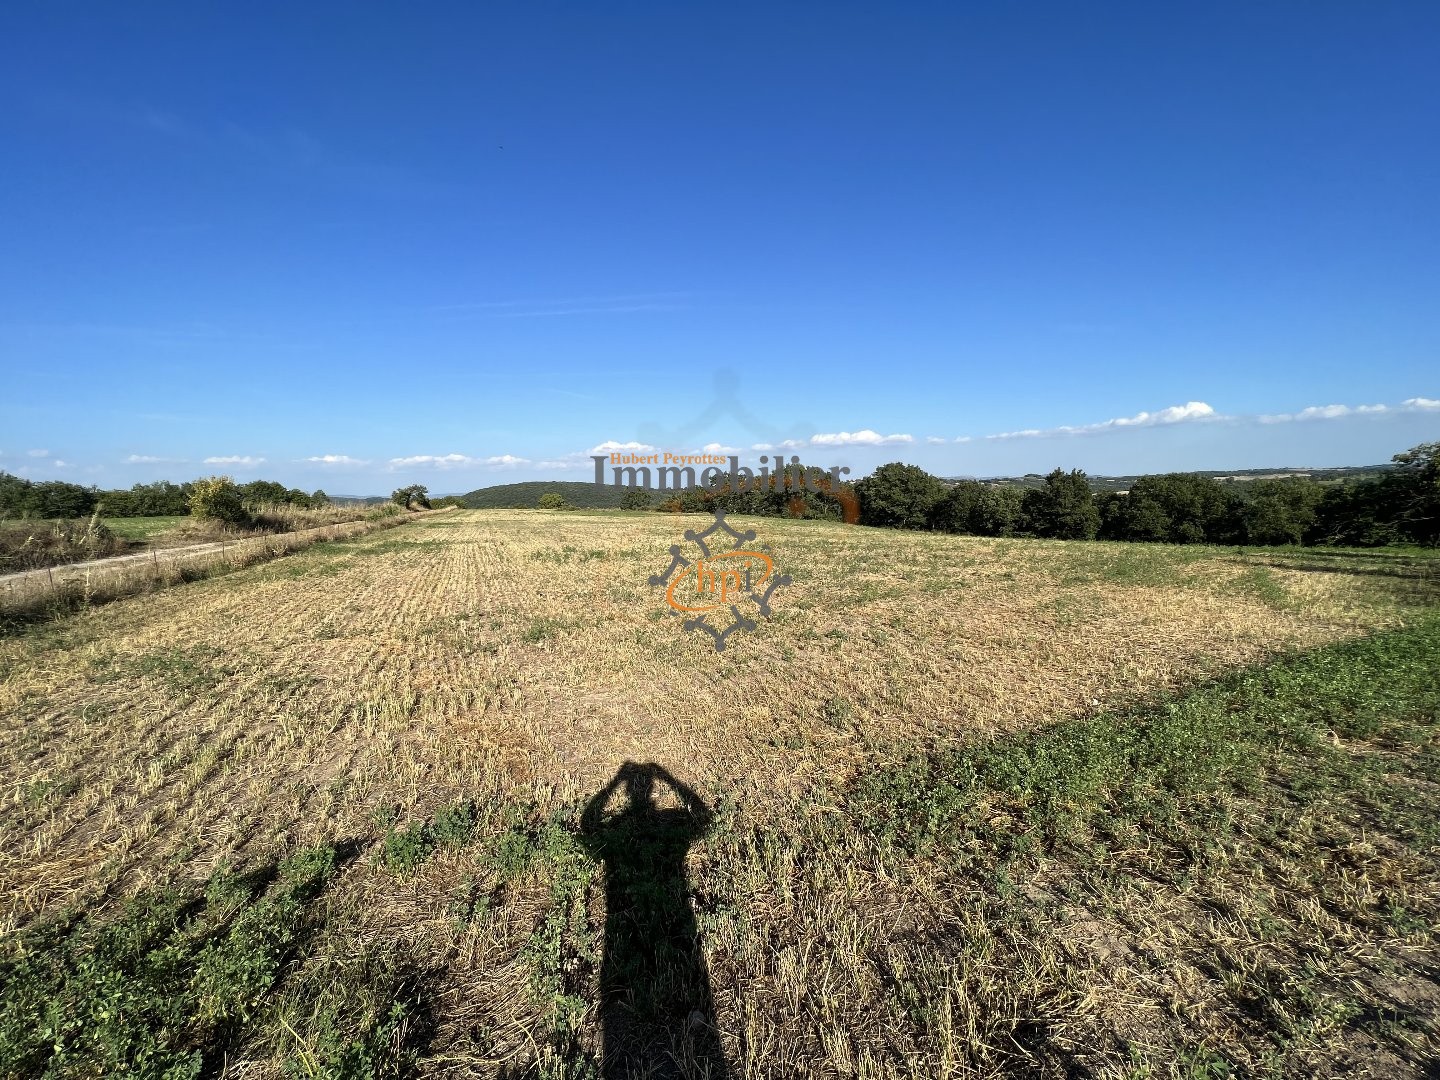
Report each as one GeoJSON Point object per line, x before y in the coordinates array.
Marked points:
{"type": "Point", "coordinates": [657, 1012]}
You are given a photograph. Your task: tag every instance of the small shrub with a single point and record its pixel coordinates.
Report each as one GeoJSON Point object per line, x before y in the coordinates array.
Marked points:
{"type": "Point", "coordinates": [217, 498]}
{"type": "Point", "coordinates": [406, 849]}
{"type": "Point", "coordinates": [454, 824]}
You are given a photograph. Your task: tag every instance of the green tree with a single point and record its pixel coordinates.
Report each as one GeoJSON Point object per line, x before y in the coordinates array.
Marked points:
{"type": "Point", "coordinates": [1181, 508]}
{"type": "Point", "coordinates": [1133, 515]}
{"type": "Point", "coordinates": [899, 496]}
{"type": "Point", "coordinates": [1416, 486]}
{"type": "Point", "coordinates": [415, 494]}
{"type": "Point", "coordinates": [958, 510]}
{"type": "Point", "coordinates": [1357, 514]}
{"type": "Point", "coordinates": [1000, 512]}
{"type": "Point", "coordinates": [551, 500]}
{"type": "Point", "coordinates": [1280, 511]}
{"type": "Point", "coordinates": [47, 499]}
{"type": "Point", "coordinates": [635, 499]}
{"type": "Point", "coordinates": [1064, 508]}
{"type": "Point", "coordinates": [217, 498]}
{"type": "Point", "coordinates": [264, 492]}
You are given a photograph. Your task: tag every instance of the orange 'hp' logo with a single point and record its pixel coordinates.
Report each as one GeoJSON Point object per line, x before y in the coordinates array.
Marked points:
{"type": "Point", "coordinates": [720, 580]}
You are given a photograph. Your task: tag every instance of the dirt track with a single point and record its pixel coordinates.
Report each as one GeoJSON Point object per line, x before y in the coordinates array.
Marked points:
{"type": "Point", "coordinates": [58, 575]}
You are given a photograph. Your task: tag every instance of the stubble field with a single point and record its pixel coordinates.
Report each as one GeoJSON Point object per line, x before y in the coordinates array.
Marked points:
{"type": "Point", "coordinates": [348, 791]}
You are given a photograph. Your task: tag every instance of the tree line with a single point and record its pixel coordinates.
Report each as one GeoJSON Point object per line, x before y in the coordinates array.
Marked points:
{"type": "Point", "coordinates": [21, 498]}
{"type": "Point", "coordinates": [1400, 506]}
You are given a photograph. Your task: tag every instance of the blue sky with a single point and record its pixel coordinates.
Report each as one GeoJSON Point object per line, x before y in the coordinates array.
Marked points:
{"type": "Point", "coordinates": [355, 246]}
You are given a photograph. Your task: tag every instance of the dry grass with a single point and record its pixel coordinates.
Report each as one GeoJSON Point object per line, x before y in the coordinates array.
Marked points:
{"type": "Point", "coordinates": [267, 518]}
{"type": "Point", "coordinates": [28, 545]}
{"type": "Point", "coordinates": [519, 659]}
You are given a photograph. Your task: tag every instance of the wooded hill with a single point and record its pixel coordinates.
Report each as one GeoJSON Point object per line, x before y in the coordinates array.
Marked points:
{"type": "Point", "coordinates": [588, 496]}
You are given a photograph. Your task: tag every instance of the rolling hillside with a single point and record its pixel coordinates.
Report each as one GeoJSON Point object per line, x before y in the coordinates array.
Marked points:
{"type": "Point", "coordinates": [510, 496]}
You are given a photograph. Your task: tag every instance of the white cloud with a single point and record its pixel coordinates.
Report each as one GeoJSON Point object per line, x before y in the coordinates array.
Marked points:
{"type": "Point", "coordinates": [611, 446]}
{"type": "Point", "coordinates": [37, 453]}
{"type": "Point", "coordinates": [1323, 412]}
{"type": "Point", "coordinates": [434, 461]}
{"type": "Point", "coordinates": [1174, 414]}
{"type": "Point", "coordinates": [235, 459]}
{"type": "Point", "coordinates": [935, 440]}
{"type": "Point", "coordinates": [336, 459]}
{"type": "Point", "coordinates": [719, 448]}
{"type": "Point", "coordinates": [151, 459]}
{"type": "Point", "coordinates": [561, 464]}
{"type": "Point", "coordinates": [1337, 412]}
{"type": "Point", "coordinates": [864, 437]}
{"type": "Point", "coordinates": [505, 461]}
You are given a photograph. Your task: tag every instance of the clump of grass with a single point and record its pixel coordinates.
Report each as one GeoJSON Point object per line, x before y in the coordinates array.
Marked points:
{"type": "Point", "coordinates": [182, 669]}
{"type": "Point", "coordinates": [454, 824]}
{"type": "Point", "coordinates": [542, 630]}
{"type": "Point", "coordinates": [31, 545]}
{"type": "Point", "coordinates": [405, 849]}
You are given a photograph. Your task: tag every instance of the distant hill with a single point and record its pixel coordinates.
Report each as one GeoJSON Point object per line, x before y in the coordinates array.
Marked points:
{"type": "Point", "coordinates": [1234, 476]}
{"type": "Point", "coordinates": [505, 496]}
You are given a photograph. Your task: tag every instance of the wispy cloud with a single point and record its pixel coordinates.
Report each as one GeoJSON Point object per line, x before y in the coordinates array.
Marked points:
{"type": "Point", "coordinates": [235, 459]}
{"type": "Point", "coordinates": [863, 437]}
{"type": "Point", "coordinates": [338, 460]}
{"type": "Point", "coordinates": [1176, 414]}
{"type": "Point", "coordinates": [37, 453]}
{"type": "Point", "coordinates": [1200, 412]}
{"type": "Point", "coordinates": [457, 461]}
{"type": "Point", "coordinates": [1338, 412]}
{"type": "Point", "coordinates": [433, 461]}
{"type": "Point", "coordinates": [151, 459]}
{"type": "Point", "coordinates": [610, 446]}
{"type": "Point", "coordinates": [624, 304]}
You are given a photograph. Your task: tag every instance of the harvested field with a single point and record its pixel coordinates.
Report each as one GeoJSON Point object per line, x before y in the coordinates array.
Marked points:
{"type": "Point", "coordinates": [512, 663]}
